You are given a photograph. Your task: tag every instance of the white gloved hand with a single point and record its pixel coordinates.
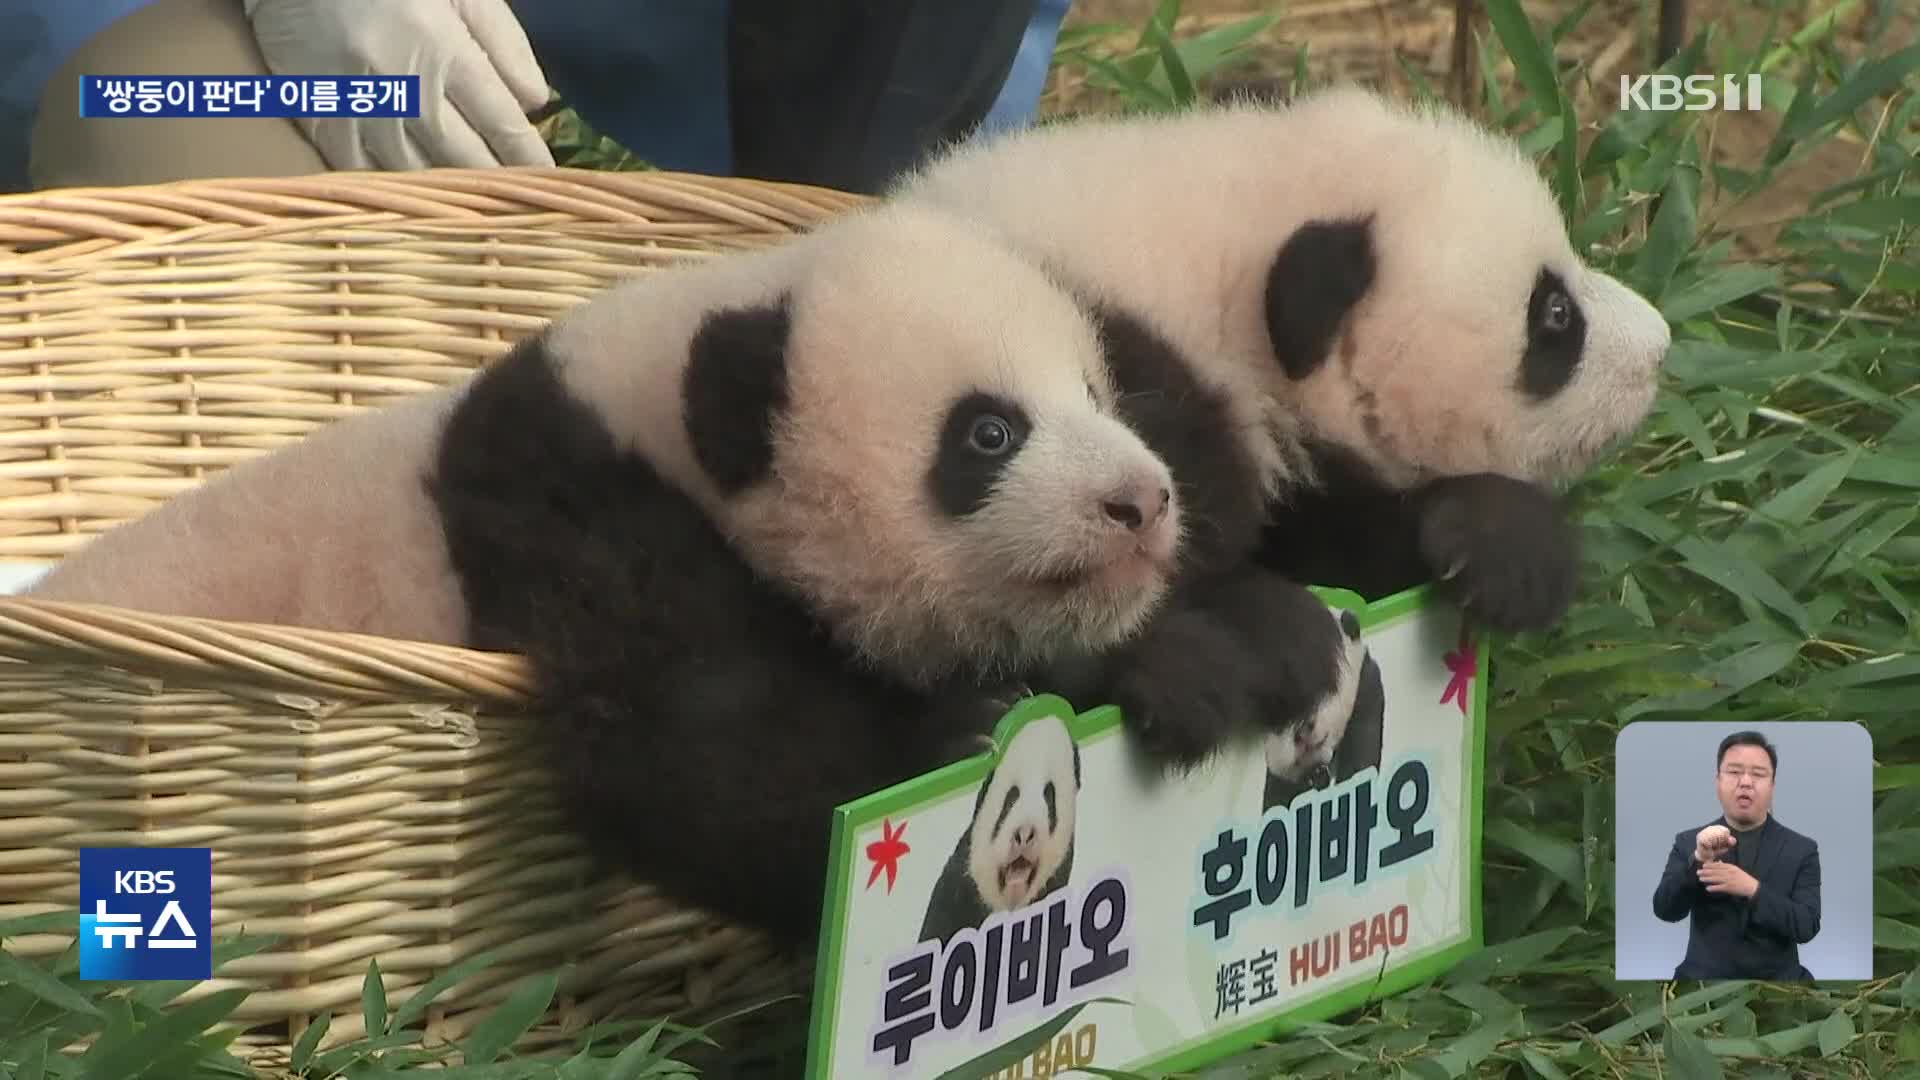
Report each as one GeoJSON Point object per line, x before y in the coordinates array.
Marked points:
{"type": "Point", "coordinates": [478, 78]}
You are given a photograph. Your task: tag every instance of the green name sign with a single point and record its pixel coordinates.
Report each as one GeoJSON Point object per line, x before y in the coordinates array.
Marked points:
{"type": "Point", "coordinates": [1060, 903]}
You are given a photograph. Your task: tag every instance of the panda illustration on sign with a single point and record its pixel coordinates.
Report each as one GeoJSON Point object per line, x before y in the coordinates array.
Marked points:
{"type": "Point", "coordinates": [1018, 847]}
{"type": "Point", "coordinates": [1339, 738]}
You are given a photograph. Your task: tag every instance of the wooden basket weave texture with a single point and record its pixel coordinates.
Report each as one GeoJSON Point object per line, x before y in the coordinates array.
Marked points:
{"type": "Point", "coordinates": [363, 796]}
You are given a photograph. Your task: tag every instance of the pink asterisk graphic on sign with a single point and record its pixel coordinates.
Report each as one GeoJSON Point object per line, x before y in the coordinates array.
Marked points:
{"type": "Point", "coordinates": [886, 853]}
{"type": "Point", "coordinates": [1464, 666]}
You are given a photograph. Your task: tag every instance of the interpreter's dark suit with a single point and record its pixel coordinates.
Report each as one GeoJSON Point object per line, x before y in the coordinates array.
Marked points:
{"type": "Point", "coordinates": [1732, 937]}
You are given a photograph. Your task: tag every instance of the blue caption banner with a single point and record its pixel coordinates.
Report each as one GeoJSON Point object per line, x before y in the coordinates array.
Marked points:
{"type": "Point", "coordinates": [304, 96]}
{"type": "Point", "coordinates": [146, 913]}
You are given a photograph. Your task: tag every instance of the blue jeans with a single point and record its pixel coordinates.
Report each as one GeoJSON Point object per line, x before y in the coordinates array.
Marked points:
{"type": "Point", "coordinates": [1019, 98]}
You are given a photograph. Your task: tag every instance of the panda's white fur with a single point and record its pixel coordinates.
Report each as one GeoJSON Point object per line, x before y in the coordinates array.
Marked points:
{"type": "Point", "coordinates": [332, 532]}
{"type": "Point", "coordinates": [1018, 847]}
{"type": "Point", "coordinates": [1178, 217]}
{"type": "Point", "coordinates": [335, 532]}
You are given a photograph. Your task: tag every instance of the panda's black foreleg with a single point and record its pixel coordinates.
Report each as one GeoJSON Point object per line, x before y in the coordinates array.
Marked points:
{"type": "Point", "coordinates": [1295, 639]}
{"type": "Point", "coordinates": [1184, 689]}
{"type": "Point", "coordinates": [1242, 654]}
{"type": "Point", "coordinates": [1347, 530]}
{"type": "Point", "coordinates": [715, 780]}
{"type": "Point", "coordinates": [1501, 548]}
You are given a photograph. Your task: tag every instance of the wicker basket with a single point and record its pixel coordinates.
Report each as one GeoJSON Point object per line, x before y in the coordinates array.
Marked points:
{"type": "Point", "coordinates": [362, 795]}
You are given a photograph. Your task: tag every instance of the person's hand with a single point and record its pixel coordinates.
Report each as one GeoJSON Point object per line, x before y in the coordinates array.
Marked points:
{"type": "Point", "coordinates": [478, 78]}
{"type": "Point", "coordinates": [1725, 877]}
{"type": "Point", "coordinates": [1711, 843]}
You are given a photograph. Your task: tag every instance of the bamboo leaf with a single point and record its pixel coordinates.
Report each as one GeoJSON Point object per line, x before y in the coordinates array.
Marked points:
{"type": "Point", "coordinates": [513, 1018]}
{"type": "Point", "coordinates": [1689, 1056]}
{"type": "Point", "coordinates": [16, 972]}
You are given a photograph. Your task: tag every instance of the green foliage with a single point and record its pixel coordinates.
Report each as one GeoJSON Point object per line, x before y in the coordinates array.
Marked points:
{"type": "Point", "coordinates": [575, 144]}
{"type": "Point", "coordinates": [1161, 70]}
{"type": "Point", "coordinates": [1754, 556]}
{"type": "Point", "coordinates": [139, 1030]}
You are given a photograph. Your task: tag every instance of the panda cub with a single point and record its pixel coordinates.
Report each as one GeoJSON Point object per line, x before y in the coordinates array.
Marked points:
{"type": "Point", "coordinates": [1386, 300]}
{"type": "Point", "coordinates": [954, 496]}
{"type": "Point", "coordinates": [1018, 848]}
{"type": "Point", "coordinates": [1345, 734]}
{"type": "Point", "coordinates": [773, 531]}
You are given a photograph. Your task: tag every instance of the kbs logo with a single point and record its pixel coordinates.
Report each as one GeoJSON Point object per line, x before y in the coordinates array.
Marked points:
{"type": "Point", "coordinates": [146, 913]}
{"type": "Point", "coordinates": [1693, 93]}
{"type": "Point", "coordinates": [143, 881]}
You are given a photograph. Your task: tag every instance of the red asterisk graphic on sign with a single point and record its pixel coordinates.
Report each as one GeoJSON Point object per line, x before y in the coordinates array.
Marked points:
{"type": "Point", "coordinates": [1464, 666]}
{"type": "Point", "coordinates": [885, 853]}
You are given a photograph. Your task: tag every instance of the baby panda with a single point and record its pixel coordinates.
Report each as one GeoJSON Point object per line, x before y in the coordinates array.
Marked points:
{"type": "Point", "coordinates": [1344, 735]}
{"type": "Point", "coordinates": [1018, 848]}
{"type": "Point", "coordinates": [827, 399]}
{"type": "Point", "coordinates": [774, 531]}
{"type": "Point", "coordinates": [1386, 298]}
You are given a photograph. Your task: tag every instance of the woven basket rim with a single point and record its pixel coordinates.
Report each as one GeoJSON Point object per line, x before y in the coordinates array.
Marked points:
{"type": "Point", "coordinates": [271, 656]}
{"type": "Point", "coordinates": [177, 211]}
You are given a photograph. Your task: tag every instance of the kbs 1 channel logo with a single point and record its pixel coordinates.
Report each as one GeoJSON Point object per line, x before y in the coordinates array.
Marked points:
{"type": "Point", "coordinates": [1690, 93]}
{"type": "Point", "coordinates": [146, 913]}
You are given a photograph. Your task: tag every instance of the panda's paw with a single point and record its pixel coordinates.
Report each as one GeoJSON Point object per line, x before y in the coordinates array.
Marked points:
{"type": "Point", "coordinates": [1304, 730]}
{"type": "Point", "coordinates": [1180, 731]}
{"type": "Point", "coordinates": [1185, 692]}
{"type": "Point", "coordinates": [1501, 549]}
{"type": "Point", "coordinates": [962, 723]}
{"type": "Point", "coordinates": [1309, 666]}
{"type": "Point", "coordinates": [966, 747]}
{"type": "Point", "coordinates": [1285, 633]}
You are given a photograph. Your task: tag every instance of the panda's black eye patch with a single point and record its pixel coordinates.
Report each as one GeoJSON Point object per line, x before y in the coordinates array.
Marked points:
{"type": "Point", "coordinates": [1053, 807]}
{"type": "Point", "coordinates": [1006, 807]}
{"type": "Point", "coordinates": [982, 434]}
{"type": "Point", "coordinates": [1556, 337]}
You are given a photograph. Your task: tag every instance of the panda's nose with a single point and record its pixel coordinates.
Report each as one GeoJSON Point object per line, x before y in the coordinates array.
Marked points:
{"type": "Point", "coordinates": [1135, 510]}
{"type": "Point", "coordinates": [1024, 835]}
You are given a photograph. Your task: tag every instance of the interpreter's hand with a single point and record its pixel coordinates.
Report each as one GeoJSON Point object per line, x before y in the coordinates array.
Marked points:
{"type": "Point", "coordinates": [478, 78]}
{"type": "Point", "coordinates": [1725, 877]}
{"type": "Point", "coordinates": [1711, 843]}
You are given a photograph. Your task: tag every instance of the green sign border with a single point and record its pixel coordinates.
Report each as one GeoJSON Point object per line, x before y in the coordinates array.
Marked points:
{"type": "Point", "coordinates": [1103, 722]}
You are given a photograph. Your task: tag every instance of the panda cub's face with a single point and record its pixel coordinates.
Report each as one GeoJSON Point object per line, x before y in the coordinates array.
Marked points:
{"type": "Point", "coordinates": [945, 472]}
{"type": "Point", "coordinates": [1438, 322]}
{"type": "Point", "coordinates": [1042, 490]}
{"type": "Point", "coordinates": [1023, 823]}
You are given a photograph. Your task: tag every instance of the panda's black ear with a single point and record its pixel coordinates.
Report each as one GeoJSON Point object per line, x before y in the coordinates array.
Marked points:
{"type": "Point", "coordinates": [1320, 273]}
{"type": "Point", "coordinates": [734, 389]}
